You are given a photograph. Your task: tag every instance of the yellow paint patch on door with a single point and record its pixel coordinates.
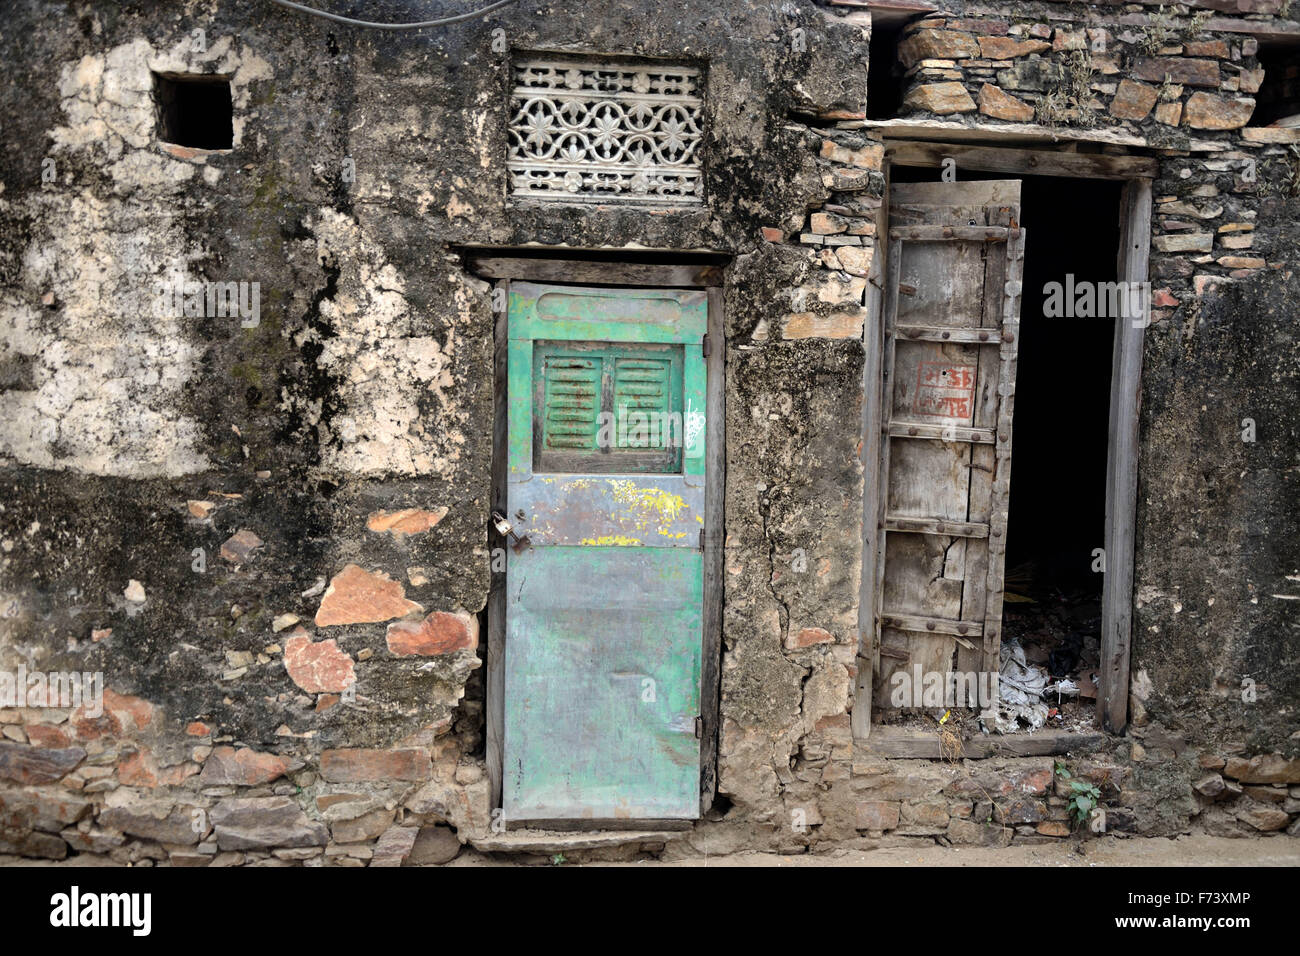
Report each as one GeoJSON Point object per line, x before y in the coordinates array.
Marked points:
{"type": "Point", "coordinates": [664, 505]}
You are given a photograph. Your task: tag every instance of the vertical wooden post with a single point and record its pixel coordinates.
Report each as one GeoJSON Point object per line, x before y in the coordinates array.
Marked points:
{"type": "Point", "coordinates": [1122, 463]}
{"type": "Point", "coordinates": [496, 606]}
{"type": "Point", "coordinates": [715, 477]}
{"type": "Point", "coordinates": [872, 436]}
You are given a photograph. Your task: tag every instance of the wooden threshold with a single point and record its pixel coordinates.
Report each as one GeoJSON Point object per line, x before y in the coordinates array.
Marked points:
{"type": "Point", "coordinates": [591, 825]}
{"type": "Point", "coordinates": [886, 741]}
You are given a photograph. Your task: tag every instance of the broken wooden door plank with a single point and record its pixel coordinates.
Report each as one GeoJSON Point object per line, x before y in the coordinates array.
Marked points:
{"type": "Point", "coordinates": [975, 193]}
{"type": "Point", "coordinates": [1000, 502]}
{"type": "Point", "coordinates": [986, 487]}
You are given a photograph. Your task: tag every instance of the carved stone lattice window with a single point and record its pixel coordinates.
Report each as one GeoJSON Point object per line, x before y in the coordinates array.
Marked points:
{"type": "Point", "coordinates": [582, 131]}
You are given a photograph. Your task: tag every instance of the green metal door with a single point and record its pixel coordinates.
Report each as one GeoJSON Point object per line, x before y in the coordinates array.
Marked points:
{"type": "Point", "coordinates": [604, 609]}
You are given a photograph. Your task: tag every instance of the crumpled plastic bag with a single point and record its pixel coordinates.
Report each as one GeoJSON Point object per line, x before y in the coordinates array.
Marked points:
{"type": "Point", "coordinates": [1062, 688]}
{"type": "Point", "coordinates": [1020, 693]}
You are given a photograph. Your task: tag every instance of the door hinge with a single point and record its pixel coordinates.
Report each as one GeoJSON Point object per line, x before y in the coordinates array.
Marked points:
{"type": "Point", "coordinates": [701, 539]}
{"type": "Point", "coordinates": [706, 346]}
{"type": "Point", "coordinates": [699, 728]}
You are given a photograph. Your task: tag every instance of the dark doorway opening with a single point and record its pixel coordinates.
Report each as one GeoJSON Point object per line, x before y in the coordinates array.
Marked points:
{"type": "Point", "coordinates": [1056, 526]}
{"type": "Point", "coordinates": [1060, 432]}
{"type": "Point", "coordinates": [195, 111]}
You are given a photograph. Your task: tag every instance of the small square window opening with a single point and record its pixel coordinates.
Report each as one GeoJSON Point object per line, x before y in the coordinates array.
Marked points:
{"type": "Point", "coordinates": [195, 110]}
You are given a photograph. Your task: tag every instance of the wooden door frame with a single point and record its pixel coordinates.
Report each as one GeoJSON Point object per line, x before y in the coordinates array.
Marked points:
{"type": "Point", "coordinates": [503, 266]}
{"type": "Point", "coordinates": [1136, 173]}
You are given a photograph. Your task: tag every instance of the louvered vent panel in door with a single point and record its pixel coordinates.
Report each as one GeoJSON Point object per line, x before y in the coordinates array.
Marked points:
{"type": "Point", "coordinates": [643, 401]}
{"type": "Point", "coordinates": [572, 403]}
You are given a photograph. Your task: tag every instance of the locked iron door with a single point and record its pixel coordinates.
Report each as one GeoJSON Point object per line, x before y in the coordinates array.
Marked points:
{"type": "Point", "coordinates": [604, 606]}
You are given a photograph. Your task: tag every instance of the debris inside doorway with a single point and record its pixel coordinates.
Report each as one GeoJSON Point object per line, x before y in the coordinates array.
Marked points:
{"type": "Point", "coordinates": [1020, 692]}
{"type": "Point", "coordinates": [1051, 650]}
{"type": "Point", "coordinates": [1024, 693]}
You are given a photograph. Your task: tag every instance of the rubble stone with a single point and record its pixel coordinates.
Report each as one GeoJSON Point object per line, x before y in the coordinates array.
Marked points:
{"type": "Point", "coordinates": [357, 765]}
{"type": "Point", "coordinates": [994, 102]}
{"type": "Point", "coordinates": [442, 632]}
{"type": "Point", "coordinates": [245, 823]}
{"type": "Point", "coordinates": [940, 98]}
{"type": "Point", "coordinates": [1204, 111]}
{"type": "Point", "coordinates": [243, 767]}
{"type": "Point", "coordinates": [357, 596]}
{"type": "Point", "coordinates": [317, 666]}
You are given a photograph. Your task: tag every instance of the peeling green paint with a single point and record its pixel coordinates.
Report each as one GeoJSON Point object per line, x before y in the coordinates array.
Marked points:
{"type": "Point", "coordinates": [604, 615]}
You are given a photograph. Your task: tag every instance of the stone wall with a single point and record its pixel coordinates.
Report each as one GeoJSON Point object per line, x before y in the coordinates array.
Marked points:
{"type": "Point", "coordinates": [271, 540]}
{"type": "Point", "coordinates": [1214, 653]}
{"type": "Point", "coordinates": [1161, 76]}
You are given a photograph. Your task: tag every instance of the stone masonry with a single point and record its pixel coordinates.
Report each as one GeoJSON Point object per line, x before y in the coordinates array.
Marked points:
{"type": "Point", "coordinates": [314, 694]}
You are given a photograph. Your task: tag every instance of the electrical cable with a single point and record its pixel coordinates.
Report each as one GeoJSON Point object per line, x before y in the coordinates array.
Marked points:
{"type": "Point", "coordinates": [393, 26]}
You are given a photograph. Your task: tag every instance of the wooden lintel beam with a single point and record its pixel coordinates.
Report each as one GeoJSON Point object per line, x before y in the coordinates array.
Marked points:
{"type": "Point", "coordinates": [1025, 162]}
{"type": "Point", "coordinates": [584, 271]}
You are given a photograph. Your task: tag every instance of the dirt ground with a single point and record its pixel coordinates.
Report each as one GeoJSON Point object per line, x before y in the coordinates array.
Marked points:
{"type": "Point", "coordinates": [1185, 851]}
{"type": "Point", "coordinates": [1197, 850]}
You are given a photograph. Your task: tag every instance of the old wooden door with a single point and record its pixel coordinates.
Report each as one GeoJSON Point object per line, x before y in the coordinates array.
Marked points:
{"type": "Point", "coordinates": [951, 321]}
{"type": "Point", "coordinates": [604, 607]}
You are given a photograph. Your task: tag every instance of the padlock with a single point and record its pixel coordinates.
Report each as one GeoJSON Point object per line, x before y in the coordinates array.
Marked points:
{"type": "Point", "coordinates": [506, 530]}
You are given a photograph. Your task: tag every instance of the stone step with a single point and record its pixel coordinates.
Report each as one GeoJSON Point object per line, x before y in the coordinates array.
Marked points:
{"type": "Point", "coordinates": [550, 841]}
